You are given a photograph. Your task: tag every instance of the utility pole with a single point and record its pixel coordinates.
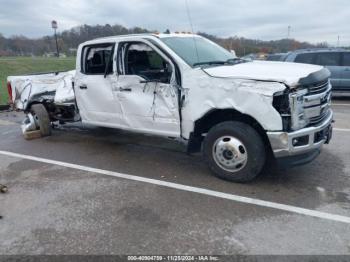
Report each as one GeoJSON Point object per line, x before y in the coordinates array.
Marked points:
{"type": "Point", "coordinates": [288, 34]}
{"type": "Point", "coordinates": [288, 38]}
{"type": "Point", "coordinates": [54, 26]}
{"type": "Point", "coordinates": [338, 43]}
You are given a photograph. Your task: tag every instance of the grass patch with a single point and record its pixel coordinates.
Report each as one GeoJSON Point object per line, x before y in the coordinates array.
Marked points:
{"type": "Point", "coordinates": [29, 65]}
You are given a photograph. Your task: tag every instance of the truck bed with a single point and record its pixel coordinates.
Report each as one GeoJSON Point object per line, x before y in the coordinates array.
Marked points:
{"type": "Point", "coordinates": [57, 86]}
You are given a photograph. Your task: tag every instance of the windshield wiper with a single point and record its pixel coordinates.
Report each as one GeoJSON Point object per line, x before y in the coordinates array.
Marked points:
{"type": "Point", "coordinates": [234, 61]}
{"type": "Point", "coordinates": [210, 63]}
{"type": "Point", "coordinates": [231, 61]}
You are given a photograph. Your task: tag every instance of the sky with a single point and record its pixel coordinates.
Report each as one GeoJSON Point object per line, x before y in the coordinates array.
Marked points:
{"type": "Point", "coordinates": [310, 20]}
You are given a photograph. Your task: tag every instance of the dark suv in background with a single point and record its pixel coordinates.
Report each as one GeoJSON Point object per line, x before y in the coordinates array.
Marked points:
{"type": "Point", "coordinates": [336, 60]}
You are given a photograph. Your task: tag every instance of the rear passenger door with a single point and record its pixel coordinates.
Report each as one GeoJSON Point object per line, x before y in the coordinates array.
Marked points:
{"type": "Point", "coordinates": [332, 61]}
{"type": "Point", "coordinates": [94, 83]}
{"type": "Point", "coordinates": [345, 77]}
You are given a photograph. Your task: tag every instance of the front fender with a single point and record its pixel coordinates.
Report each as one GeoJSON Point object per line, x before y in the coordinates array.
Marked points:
{"type": "Point", "coordinates": [249, 97]}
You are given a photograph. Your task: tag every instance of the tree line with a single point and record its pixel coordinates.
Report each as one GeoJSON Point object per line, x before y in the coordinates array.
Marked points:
{"type": "Point", "coordinates": [69, 40]}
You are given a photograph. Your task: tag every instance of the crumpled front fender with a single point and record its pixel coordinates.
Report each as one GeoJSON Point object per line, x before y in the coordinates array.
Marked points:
{"type": "Point", "coordinates": [250, 97]}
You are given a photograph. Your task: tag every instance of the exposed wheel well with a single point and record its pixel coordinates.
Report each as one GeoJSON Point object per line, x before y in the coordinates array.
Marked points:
{"type": "Point", "coordinates": [65, 113]}
{"type": "Point", "coordinates": [214, 117]}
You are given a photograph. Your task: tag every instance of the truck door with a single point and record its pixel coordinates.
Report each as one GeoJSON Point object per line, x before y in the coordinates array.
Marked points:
{"type": "Point", "coordinates": [94, 84]}
{"type": "Point", "coordinates": [345, 78]}
{"type": "Point", "coordinates": [147, 90]}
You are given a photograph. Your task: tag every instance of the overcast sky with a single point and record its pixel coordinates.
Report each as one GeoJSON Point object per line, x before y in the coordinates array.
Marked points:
{"type": "Point", "coordinates": [310, 20]}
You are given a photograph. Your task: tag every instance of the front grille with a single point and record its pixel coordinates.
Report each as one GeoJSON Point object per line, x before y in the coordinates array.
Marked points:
{"type": "Point", "coordinates": [318, 88]}
{"type": "Point", "coordinates": [317, 103]}
{"type": "Point", "coordinates": [315, 121]}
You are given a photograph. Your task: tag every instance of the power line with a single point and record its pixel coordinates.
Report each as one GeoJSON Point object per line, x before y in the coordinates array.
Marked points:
{"type": "Point", "coordinates": [191, 24]}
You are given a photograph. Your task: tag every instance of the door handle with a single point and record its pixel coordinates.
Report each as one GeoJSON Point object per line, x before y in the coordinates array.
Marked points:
{"type": "Point", "coordinates": [83, 87]}
{"type": "Point", "coordinates": [121, 89]}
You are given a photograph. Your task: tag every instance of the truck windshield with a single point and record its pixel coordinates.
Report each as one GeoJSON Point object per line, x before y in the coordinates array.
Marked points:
{"type": "Point", "coordinates": [199, 51]}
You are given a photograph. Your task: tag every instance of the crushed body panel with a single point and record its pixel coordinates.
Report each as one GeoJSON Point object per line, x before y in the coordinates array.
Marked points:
{"type": "Point", "coordinates": [250, 97]}
{"type": "Point", "coordinates": [57, 86]}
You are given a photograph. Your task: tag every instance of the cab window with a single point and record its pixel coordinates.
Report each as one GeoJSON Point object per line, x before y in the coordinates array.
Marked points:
{"type": "Point", "coordinates": [97, 59]}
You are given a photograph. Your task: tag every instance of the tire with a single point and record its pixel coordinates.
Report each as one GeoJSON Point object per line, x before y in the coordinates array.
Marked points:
{"type": "Point", "coordinates": [234, 151]}
{"type": "Point", "coordinates": [42, 117]}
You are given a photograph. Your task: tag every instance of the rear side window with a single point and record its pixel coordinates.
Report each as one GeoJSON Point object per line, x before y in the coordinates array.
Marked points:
{"type": "Point", "coordinates": [328, 59]}
{"type": "Point", "coordinates": [346, 59]}
{"type": "Point", "coordinates": [308, 58]}
{"type": "Point", "coordinates": [97, 59]}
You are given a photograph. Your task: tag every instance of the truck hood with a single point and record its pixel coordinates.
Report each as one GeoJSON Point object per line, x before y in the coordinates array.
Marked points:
{"type": "Point", "coordinates": [287, 73]}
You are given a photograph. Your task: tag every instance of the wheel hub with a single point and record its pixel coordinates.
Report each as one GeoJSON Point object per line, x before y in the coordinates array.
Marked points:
{"type": "Point", "coordinates": [230, 154]}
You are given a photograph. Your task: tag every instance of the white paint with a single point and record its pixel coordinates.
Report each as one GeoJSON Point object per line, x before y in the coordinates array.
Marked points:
{"type": "Point", "coordinates": [5, 123]}
{"type": "Point", "coordinates": [207, 192]}
{"type": "Point", "coordinates": [288, 73]}
{"type": "Point", "coordinates": [150, 108]}
{"type": "Point", "coordinates": [340, 104]}
{"type": "Point", "coordinates": [64, 91]}
{"type": "Point", "coordinates": [25, 87]}
{"type": "Point", "coordinates": [341, 129]}
{"type": "Point", "coordinates": [250, 97]}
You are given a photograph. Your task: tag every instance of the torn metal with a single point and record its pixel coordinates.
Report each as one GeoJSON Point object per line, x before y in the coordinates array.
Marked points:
{"type": "Point", "coordinates": [52, 86]}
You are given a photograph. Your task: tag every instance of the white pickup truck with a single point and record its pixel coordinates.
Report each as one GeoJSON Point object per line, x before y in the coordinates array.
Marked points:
{"type": "Point", "coordinates": [238, 113]}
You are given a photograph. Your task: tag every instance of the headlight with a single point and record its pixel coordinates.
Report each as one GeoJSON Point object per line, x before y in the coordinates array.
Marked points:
{"type": "Point", "coordinates": [296, 101]}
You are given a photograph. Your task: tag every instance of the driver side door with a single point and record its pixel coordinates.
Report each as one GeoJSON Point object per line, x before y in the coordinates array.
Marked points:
{"type": "Point", "coordinates": [146, 90]}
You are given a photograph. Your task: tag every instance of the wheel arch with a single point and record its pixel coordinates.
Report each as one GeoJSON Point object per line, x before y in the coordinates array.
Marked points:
{"type": "Point", "coordinates": [216, 116]}
{"type": "Point", "coordinates": [45, 99]}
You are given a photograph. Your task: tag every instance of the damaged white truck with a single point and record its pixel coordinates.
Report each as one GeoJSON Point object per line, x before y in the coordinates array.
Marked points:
{"type": "Point", "coordinates": [238, 113]}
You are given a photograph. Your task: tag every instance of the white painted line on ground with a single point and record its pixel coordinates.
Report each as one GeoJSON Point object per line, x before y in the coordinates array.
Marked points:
{"type": "Point", "coordinates": [340, 104]}
{"type": "Point", "coordinates": [203, 191]}
{"type": "Point", "coordinates": [341, 129]}
{"type": "Point", "coordinates": [6, 123]}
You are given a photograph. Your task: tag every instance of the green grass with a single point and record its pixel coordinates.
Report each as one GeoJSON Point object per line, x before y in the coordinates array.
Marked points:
{"type": "Point", "coordinates": [28, 65]}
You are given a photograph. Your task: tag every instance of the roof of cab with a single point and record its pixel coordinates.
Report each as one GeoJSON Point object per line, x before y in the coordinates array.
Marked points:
{"type": "Point", "coordinates": [150, 35]}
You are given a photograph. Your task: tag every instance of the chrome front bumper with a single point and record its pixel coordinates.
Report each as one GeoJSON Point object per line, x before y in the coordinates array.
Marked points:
{"type": "Point", "coordinates": [300, 142]}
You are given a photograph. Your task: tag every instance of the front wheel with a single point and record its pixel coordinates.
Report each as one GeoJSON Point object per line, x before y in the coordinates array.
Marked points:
{"type": "Point", "coordinates": [234, 151]}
